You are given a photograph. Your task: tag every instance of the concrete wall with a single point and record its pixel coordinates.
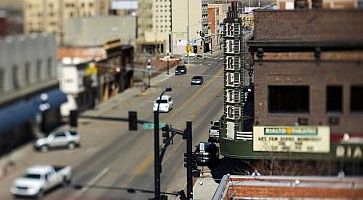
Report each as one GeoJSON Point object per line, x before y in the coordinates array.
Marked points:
{"type": "Point", "coordinates": [95, 31]}
{"type": "Point", "coordinates": [28, 53]}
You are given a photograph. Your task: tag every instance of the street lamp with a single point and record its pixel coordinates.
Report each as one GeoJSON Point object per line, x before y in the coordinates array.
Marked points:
{"type": "Point", "coordinates": [157, 164]}
{"type": "Point", "coordinates": [148, 72]}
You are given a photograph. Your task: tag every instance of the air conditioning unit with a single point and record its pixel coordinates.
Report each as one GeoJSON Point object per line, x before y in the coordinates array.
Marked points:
{"type": "Point", "coordinates": [333, 120]}
{"type": "Point", "coordinates": [302, 121]}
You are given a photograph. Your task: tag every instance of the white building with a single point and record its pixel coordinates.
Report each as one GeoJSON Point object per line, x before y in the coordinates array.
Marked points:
{"type": "Point", "coordinates": [186, 24]}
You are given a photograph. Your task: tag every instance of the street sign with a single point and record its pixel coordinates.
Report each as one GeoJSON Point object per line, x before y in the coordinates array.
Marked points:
{"type": "Point", "coordinates": [151, 125]}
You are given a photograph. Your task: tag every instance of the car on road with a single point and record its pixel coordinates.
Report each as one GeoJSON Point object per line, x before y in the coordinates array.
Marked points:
{"type": "Point", "coordinates": [58, 139]}
{"type": "Point", "coordinates": [165, 103]}
{"type": "Point", "coordinates": [197, 80]}
{"type": "Point", "coordinates": [39, 179]}
{"type": "Point", "coordinates": [180, 69]}
{"type": "Point", "coordinates": [206, 153]}
{"type": "Point", "coordinates": [214, 132]}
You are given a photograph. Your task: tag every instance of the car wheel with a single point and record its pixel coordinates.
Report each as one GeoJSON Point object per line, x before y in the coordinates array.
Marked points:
{"type": "Point", "coordinates": [44, 148]}
{"type": "Point", "coordinates": [71, 145]}
{"type": "Point", "coordinates": [40, 195]}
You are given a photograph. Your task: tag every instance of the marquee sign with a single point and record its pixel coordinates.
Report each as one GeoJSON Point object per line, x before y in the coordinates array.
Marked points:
{"type": "Point", "coordinates": [232, 72]}
{"type": "Point", "coordinates": [303, 139]}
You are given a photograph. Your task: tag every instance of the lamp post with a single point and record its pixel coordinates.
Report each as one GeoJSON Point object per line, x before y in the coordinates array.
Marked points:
{"type": "Point", "coordinates": [157, 164]}
{"type": "Point", "coordinates": [148, 72]}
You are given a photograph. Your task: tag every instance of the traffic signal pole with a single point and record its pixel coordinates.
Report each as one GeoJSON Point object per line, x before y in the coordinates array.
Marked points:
{"type": "Point", "coordinates": [156, 155]}
{"type": "Point", "coordinates": [188, 132]}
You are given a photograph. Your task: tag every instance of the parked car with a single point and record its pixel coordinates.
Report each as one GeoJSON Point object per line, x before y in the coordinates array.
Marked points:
{"type": "Point", "coordinates": [165, 103]}
{"type": "Point", "coordinates": [180, 69]}
{"type": "Point", "coordinates": [39, 179]}
{"type": "Point", "coordinates": [58, 139]}
{"type": "Point", "coordinates": [214, 132]}
{"type": "Point", "coordinates": [197, 80]}
{"type": "Point", "coordinates": [206, 153]}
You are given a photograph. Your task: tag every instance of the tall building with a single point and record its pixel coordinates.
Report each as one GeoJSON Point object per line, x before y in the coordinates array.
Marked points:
{"type": "Point", "coordinates": [155, 23]}
{"type": "Point", "coordinates": [51, 15]}
{"type": "Point", "coordinates": [187, 24]}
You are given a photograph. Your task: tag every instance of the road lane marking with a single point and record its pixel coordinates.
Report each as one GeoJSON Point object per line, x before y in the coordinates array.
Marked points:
{"type": "Point", "coordinates": [93, 181]}
{"type": "Point", "coordinates": [148, 161]}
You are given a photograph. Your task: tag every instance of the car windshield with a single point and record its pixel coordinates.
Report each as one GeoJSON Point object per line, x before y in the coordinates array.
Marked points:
{"type": "Point", "coordinates": [214, 128]}
{"type": "Point", "coordinates": [162, 101]}
{"type": "Point", "coordinates": [32, 176]}
{"type": "Point", "coordinates": [197, 77]}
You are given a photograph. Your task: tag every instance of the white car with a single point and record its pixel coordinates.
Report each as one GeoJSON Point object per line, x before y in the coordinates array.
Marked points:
{"type": "Point", "coordinates": [64, 138]}
{"type": "Point", "coordinates": [40, 178]}
{"type": "Point", "coordinates": [165, 103]}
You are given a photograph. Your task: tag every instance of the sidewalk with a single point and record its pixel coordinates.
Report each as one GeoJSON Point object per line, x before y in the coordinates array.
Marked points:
{"type": "Point", "coordinates": [9, 161]}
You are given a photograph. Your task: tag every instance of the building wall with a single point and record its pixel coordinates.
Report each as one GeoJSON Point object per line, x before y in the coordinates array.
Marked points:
{"type": "Point", "coordinates": [95, 31]}
{"type": "Point", "coordinates": [317, 77]}
{"type": "Point", "coordinates": [50, 15]}
{"type": "Point", "coordinates": [309, 25]}
{"type": "Point", "coordinates": [24, 69]}
{"type": "Point", "coordinates": [180, 12]}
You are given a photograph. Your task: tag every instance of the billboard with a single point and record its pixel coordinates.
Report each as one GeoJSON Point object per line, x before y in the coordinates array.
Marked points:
{"type": "Point", "coordinates": [303, 139]}
{"type": "Point", "coordinates": [124, 4]}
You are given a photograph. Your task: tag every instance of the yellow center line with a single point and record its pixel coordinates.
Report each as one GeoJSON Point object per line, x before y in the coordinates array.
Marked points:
{"type": "Point", "coordinates": [150, 158]}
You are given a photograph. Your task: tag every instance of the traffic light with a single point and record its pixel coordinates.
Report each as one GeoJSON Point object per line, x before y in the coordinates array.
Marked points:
{"type": "Point", "coordinates": [132, 120]}
{"type": "Point", "coordinates": [194, 162]}
{"type": "Point", "coordinates": [185, 159]}
{"type": "Point", "coordinates": [165, 133]}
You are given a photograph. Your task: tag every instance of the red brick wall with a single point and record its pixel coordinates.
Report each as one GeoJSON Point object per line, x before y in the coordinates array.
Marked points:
{"type": "Point", "coordinates": [292, 192]}
{"type": "Point", "coordinates": [309, 25]}
{"type": "Point", "coordinates": [317, 77]}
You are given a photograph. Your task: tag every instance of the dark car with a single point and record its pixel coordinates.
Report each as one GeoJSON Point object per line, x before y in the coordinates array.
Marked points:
{"type": "Point", "coordinates": [197, 80]}
{"type": "Point", "coordinates": [206, 153]}
{"type": "Point", "coordinates": [180, 69]}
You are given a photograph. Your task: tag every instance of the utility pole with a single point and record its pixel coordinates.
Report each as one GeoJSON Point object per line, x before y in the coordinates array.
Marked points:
{"type": "Point", "coordinates": [188, 133]}
{"type": "Point", "coordinates": [188, 34]}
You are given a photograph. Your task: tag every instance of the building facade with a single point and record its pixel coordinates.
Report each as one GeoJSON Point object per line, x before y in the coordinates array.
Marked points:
{"type": "Point", "coordinates": [187, 25]}
{"type": "Point", "coordinates": [92, 75]}
{"type": "Point", "coordinates": [306, 85]}
{"type": "Point", "coordinates": [29, 90]}
{"type": "Point", "coordinates": [51, 15]}
{"type": "Point", "coordinates": [81, 32]}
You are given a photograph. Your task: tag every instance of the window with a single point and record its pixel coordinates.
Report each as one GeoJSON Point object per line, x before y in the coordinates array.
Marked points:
{"type": "Point", "coordinates": [356, 99]}
{"type": "Point", "coordinates": [27, 72]}
{"type": "Point", "coordinates": [288, 99]}
{"type": "Point", "coordinates": [49, 66]}
{"type": "Point", "coordinates": [15, 77]}
{"type": "Point", "coordinates": [334, 99]}
{"type": "Point", "coordinates": [2, 79]}
{"type": "Point", "coordinates": [38, 69]}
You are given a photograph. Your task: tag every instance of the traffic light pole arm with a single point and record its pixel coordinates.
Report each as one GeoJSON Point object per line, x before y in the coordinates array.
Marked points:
{"type": "Point", "coordinates": [167, 143]}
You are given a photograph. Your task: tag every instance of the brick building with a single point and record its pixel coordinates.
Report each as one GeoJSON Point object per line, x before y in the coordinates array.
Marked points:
{"type": "Point", "coordinates": [307, 75]}
{"type": "Point", "coordinates": [308, 69]}
{"type": "Point", "coordinates": [288, 187]}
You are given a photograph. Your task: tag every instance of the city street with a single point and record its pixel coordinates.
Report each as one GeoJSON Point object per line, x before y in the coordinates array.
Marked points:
{"type": "Point", "coordinates": [115, 160]}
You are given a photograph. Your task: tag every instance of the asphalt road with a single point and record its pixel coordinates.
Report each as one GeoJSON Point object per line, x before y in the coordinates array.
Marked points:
{"type": "Point", "coordinates": [116, 161]}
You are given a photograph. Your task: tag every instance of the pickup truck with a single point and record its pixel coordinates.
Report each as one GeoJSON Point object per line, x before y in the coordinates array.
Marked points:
{"type": "Point", "coordinates": [64, 138]}
{"type": "Point", "coordinates": [39, 179]}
